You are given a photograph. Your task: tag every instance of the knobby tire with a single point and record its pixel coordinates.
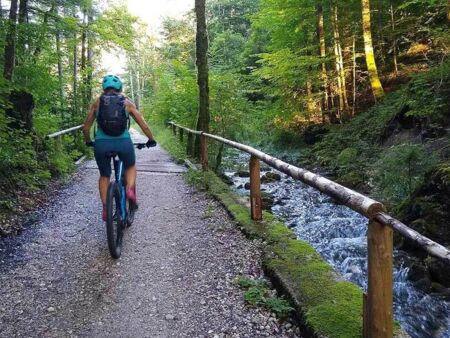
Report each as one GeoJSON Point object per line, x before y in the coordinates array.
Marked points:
{"type": "Point", "coordinates": [114, 229]}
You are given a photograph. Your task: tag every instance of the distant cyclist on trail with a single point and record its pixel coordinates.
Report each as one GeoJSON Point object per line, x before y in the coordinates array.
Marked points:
{"type": "Point", "coordinates": [112, 111]}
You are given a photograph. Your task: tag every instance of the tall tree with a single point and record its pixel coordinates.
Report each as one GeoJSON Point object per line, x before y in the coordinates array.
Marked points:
{"type": "Point", "coordinates": [202, 67]}
{"type": "Point", "coordinates": [10, 45]}
{"type": "Point", "coordinates": [23, 11]}
{"type": "Point", "coordinates": [339, 61]}
{"type": "Point", "coordinates": [90, 56]}
{"type": "Point", "coordinates": [375, 82]}
{"type": "Point", "coordinates": [323, 55]}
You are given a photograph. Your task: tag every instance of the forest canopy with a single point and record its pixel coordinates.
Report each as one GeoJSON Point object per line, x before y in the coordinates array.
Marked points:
{"type": "Point", "coordinates": [328, 83]}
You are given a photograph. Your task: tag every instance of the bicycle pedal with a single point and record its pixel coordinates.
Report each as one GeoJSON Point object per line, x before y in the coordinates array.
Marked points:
{"type": "Point", "coordinates": [133, 206]}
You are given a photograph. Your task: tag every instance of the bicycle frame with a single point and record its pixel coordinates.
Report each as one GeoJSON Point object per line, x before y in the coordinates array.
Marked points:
{"type": "Point", "coordinates": [119, 175]}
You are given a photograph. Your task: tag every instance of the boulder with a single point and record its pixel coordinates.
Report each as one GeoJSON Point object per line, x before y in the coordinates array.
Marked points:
{"type": "Point", "coordinates": [270, 177]}
{"type": "Point", "coordinates": [227, 180]}
{"type": "Point", "coordinates": [267, 201]}
{"type": "Point", "coordinates": [242, 173]}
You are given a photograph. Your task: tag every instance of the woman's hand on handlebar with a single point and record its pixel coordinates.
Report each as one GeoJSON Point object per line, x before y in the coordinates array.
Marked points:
{"type": "Point", "coordinates": [150, 143]}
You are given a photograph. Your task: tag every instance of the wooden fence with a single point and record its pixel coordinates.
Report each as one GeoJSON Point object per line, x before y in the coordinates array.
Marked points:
{"type": "Point", "coordinates": [378, 303]}
{"type": "Point", "coordinates": [64, 132]}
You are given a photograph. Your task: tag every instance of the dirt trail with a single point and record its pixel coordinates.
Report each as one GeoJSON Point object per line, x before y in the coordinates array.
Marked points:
{"type": "Point", "coordinates": [175, 277]}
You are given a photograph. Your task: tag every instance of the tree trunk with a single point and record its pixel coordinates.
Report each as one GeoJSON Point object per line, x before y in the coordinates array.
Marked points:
{"type": "Point", "coordinates": [75, 75]}
{"type": "Point", "coordinates": [323, 55]}
{"type": "Point", "coordinates": [342, 88]}
{"type": "Point", "coordinates": [375, 82]}
{"type": "Point", "coordinates": [90, 56]}
{"type": "Point", "coordinates": [202, 66]}
{"type": "Point", "coordinates": [21, 33]}
{"type": "Point", "coordinates": [10, 44]}
{"type": "Point", "coordinates": [60, 69]}
{"type": "Point", "coordinates": [138, 90]}
{"type": "Point", "coordinates": [23, 10]}
{"type": "Point", "coordinates": [131, 75]}
{"type": "Point", "coordinates": [395, 40]}
{"type": "Point", "coordinates": [44, 30]}
{"type": "Point", "coordinates": [83, 64]}
{"type": "Point", "coordinates": [354, 75]}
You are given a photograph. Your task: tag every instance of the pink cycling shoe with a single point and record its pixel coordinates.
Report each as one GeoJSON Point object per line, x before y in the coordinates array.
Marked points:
{"type": "Point", "coordinates": [131, 195]}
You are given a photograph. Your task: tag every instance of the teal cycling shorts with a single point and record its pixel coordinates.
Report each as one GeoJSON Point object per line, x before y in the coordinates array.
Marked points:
{"type": "Point", "coordinates": [124, 149]}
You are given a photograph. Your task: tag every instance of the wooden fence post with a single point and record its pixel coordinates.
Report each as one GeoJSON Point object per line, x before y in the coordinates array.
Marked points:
{"type": "Point", "coordinates": [204, 152]}
{"type": "Point", "coordinates": [174, 129]}
{"type": "Point", "coordinates": [366, 317]}
{"type": "Point", "coordinates": [190, 144]}
{"type": "Point", "coordinates": [181, 134]}
{"type": "Point", "coordinates": [255, 189]}
{"type": "Point", "coordinates": [379, 323]}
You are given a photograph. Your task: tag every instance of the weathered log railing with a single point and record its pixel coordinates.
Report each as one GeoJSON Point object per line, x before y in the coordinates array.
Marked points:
{"type": "Point", "coordinates": [378, 303]}
{"type": "Point", "coordinates": [60, 134]}
{"type": "Point", "coordinates": [64, 132]}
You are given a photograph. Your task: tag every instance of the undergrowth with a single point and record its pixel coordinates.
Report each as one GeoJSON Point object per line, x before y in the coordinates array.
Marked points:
{"type": "Point", "coordinates": [259, 294]}
{"type": "Point", "coordinates": [366, 152]}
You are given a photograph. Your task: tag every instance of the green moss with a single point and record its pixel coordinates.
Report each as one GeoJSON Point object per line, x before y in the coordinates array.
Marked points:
{"type": "Point", "coordinates": [340, 317]}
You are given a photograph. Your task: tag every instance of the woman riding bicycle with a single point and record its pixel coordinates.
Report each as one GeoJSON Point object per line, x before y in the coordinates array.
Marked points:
{"type": "Point", "coordinates": [112, 111]}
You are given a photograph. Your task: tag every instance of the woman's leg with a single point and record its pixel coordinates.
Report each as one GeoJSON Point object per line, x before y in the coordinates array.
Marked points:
{"type": "Point", "coordinates": [130, 176]}
{"type": "Point", "coordinates": [103, 184]}
{"type": "Point", "coordinates": [102, 147]}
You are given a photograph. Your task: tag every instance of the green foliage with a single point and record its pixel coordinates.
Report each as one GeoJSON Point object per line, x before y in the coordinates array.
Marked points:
{"type": "Point", "coordinates": [175, 96]}
{"type": "Point", "coordinates": [347, 156]}
{"type": "Point", "coordinates": [45, 44]}
{"type": "Point", "coordinates": [401, 169]}
{"type": "Point", "coordinates": [166, 139]}
{"type": "Point", "coordinates": [356, 152]}
{"type": "Point", "coordinates": [427, 97]}
{"type": "Point", "coordinates": [258, 294]}
{"type": "Point", "coordinates": [115, 28]}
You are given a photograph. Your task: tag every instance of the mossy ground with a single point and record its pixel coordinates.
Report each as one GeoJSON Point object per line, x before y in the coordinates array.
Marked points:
{"type": "Point", "coordinates": [328, 307]}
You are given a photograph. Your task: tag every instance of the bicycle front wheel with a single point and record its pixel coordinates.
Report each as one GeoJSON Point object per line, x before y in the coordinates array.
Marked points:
{"type": "Point", "coordinates": [114, 226]}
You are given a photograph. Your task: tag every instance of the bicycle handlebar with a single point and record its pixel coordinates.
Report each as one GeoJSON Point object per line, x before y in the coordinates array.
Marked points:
{"type": "Point", "coordinates": [137, 145]}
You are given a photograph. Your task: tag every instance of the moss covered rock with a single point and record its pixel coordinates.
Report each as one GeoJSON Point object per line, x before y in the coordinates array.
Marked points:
{"type": "Point", "coordinates": [428, 212]}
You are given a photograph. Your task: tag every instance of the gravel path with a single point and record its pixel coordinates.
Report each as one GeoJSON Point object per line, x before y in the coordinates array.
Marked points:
{"type": "Point", "coordinates": [174, 279]}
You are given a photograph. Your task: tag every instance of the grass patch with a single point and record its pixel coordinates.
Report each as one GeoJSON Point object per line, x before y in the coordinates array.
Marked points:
{"type": "Point", "coordinates": [258, 293]}
{"type": "Point", "coordinates": [166, 139]}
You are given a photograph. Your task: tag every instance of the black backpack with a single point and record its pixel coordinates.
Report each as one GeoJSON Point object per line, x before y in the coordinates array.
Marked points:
{"type": "Point", "coordinates": [112, 117]}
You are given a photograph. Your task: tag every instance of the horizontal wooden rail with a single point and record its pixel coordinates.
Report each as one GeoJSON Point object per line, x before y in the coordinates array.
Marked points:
{"type": "Point", "coordinates": [433, 248]}
{"type": "Point", "coordinates": [64, 132]}
{"type": "Point", "coordinates": [378, 304]}
{"type": "Point", "coordinates": [362, 204]}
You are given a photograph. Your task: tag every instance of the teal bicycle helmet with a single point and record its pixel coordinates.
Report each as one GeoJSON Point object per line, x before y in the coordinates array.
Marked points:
{"type": "Point", "coordinates": [112, 81]}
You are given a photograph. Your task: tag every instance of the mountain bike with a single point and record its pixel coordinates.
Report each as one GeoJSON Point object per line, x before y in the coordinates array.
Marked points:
{"type": "Point", "coordinates": [119, 215]}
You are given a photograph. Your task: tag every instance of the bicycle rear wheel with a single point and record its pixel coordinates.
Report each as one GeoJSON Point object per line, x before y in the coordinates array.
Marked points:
{"type": "Point", "coordinates": [114, 226]}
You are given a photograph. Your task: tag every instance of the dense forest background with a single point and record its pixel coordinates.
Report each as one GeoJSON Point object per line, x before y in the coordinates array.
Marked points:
{"type": "Point", "coordinates": [359, 90]}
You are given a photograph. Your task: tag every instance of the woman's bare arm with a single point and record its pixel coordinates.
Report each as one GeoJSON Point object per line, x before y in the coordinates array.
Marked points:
{"type": "Point", "coordinates": [90, 118]}
{"type": "Point", "coordinates": [137, 116]}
